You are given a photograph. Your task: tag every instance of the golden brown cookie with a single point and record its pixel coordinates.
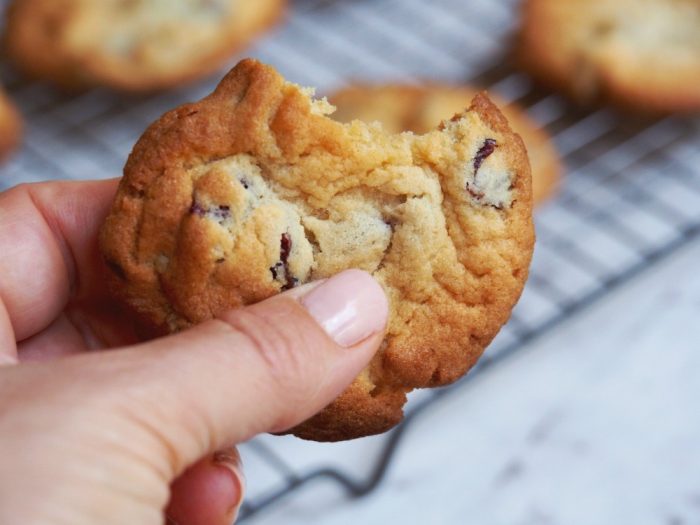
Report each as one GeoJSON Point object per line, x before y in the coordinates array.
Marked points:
{"type": "Point", "coordinates": [420, 108]}
{"type": "Point", "coordinates": [10, 126]}
{"type": "Point", "coordinates": [641, 54]}
{"type": "Point", "coordinates": [133, 45]}
{"type": "Point", "coordinates": [254, 190]}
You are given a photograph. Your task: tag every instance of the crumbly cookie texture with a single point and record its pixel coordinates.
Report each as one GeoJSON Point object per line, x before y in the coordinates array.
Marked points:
{"type": "Point", "coordinates": [420, 108]}
{"type": "Point", "coordinates": [641, 54]}
{"type": "Point", "coordinates": [254, 190]}
{"type": "Point", "coordinates": [133, 45]}
{"type": "Point", "coordinates": [10, 126]}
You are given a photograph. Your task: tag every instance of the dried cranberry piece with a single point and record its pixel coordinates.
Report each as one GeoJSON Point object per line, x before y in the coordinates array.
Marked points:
{"type": "Point", "coordinates": [285, 247]}
{"type": "Point", "coordinates": [219, 213]}
{"type": "Point", "coordinates": [197, 209]}
{"type": "Point", "coordinates": [282, 268]}
{"type": "Point", "coordinates": [484, 153]}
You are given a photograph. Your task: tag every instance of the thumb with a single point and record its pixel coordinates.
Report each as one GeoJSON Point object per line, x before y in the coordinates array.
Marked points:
{"type": "Point", "coordinates": [122, 425]}
{"type": "Point", "coordinates": [266, 367]}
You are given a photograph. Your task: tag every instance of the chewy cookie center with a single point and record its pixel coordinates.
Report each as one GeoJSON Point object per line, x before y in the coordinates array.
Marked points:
{"type": "Point", "coordinates": [382, 220]}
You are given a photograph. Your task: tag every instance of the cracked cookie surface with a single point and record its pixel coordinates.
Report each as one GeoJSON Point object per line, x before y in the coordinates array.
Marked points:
{"type": "Point", "coordinates": [641, 54]}
{"type": "Point", "coordinates": [10, 126]}
{"type": "Point", "coordinates": [254, 190]}
{"type": "Point", "coordinates": [133, 45]}
{"type": "Point", "coordinates": [420, 108]}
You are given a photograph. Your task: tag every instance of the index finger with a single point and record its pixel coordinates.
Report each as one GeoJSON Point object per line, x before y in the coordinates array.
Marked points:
{"type": "Point", "coordinates": [48, 241]}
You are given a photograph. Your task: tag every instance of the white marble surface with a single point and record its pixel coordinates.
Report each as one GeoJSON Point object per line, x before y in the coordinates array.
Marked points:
{"type": "Point", "coordinates": [596, 423]}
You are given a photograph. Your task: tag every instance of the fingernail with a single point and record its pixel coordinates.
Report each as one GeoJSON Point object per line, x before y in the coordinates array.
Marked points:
{"type": "Point", "coordinates": [231, 461]}
{"type": "Point", "coordinates": [350, 307]}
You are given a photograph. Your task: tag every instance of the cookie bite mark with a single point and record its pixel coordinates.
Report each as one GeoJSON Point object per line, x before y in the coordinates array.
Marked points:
{"type": "Point", "coordinates": [420, 108]}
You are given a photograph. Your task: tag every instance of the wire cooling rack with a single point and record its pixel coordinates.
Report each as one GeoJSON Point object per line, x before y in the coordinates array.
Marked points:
{"type": "Point", "coordinates": [631, 194]}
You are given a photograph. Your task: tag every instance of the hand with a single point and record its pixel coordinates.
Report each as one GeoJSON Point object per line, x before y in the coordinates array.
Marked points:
{"type": "Point", "coordinates": [120, 436]}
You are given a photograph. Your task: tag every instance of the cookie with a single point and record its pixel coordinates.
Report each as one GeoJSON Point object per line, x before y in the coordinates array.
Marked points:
{"type": "Point", "coordinates": [641, 54]}
{"type": "Point", "coordinates": [132, 45]}
{"type": "Point", "coordinates": [10, 126]}
{"type": "Point", "coordinates": [420, 108]}
{"type": "Point", "coordinates": [254, 190]}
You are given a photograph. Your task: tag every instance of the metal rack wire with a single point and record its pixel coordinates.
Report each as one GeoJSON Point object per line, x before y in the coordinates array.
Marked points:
{"type": "Point", "coordinates": [631, 195]}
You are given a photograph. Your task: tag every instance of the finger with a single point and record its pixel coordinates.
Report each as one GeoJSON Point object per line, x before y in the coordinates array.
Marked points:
{"type": "Point", "coordinates": [263, 368]}
{"type": "Point", "coordinates": [8, 346]}
{"type": "Point", "coordinates": [61, 338]}
{"type": "Point", "coordinates": [48, 238]}
{"type": "Point", "coordinates": [208, 493]}
{"type": "Point", "coordinates": [76, 330]}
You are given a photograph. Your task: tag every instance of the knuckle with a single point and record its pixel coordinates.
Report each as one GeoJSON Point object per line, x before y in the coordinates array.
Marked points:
{"type": "Point", "coordinates": [284, 351]}
{"type": "Point", "coordinates": [292, 366]}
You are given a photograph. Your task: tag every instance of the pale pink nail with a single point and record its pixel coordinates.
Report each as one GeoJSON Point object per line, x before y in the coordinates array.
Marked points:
{"type": "Point", "coordinates": [350, 307]}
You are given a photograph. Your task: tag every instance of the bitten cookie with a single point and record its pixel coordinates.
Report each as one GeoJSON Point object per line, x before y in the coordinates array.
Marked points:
{"type": "Point", "coordinates": [10, 126]}
{"type": "Point", "coordinates": [641, 54]}
{"type": "Point", "coordinates": [421, 108]}
{"type": "Point", "coordinates": [133, 45]}
{"type": "Point", "coordinates": [253, 190]}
